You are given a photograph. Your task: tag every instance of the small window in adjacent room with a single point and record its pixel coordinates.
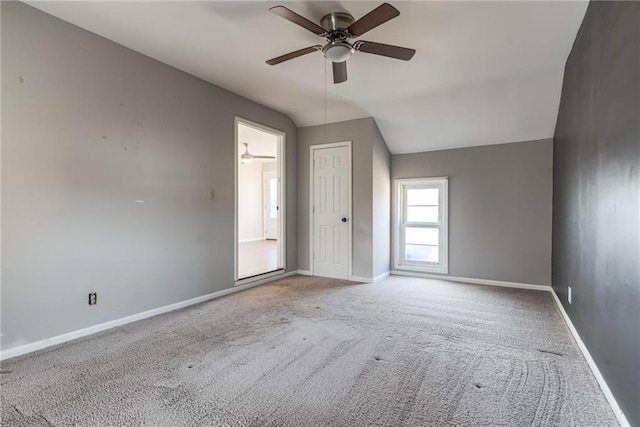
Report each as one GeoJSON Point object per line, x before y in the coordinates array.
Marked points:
{"type": "Point", "coordinates": [421, 225]}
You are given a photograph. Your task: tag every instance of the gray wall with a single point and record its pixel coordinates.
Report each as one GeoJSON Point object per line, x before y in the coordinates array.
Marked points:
{"type": "Point", "coordinates": [499, 208]}
{"type": "Point", "coordinates": [360, 132]}
{"type": "Point", "coordinates": [596, 204]}
{"type": "Point", "coordinates": [88, 128]}
{"type": "Point", "coordinates": [381, 175]}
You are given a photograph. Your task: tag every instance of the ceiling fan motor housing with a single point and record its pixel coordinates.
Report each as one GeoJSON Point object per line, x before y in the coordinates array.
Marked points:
{"type": "Point", "coordinates": [336, 21]}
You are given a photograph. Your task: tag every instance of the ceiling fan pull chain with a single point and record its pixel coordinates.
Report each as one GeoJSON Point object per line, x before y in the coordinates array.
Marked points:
{"type": "Point", "coordinates": [325, 97]}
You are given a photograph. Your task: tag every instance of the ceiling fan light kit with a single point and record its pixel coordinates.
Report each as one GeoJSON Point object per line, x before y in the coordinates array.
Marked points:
{"type": "Point", "coordinates": [337, 51]}
{"type": "Point", "coordinates": [246, 158]}
{"type": "Point", "coordinates": [337, 28]}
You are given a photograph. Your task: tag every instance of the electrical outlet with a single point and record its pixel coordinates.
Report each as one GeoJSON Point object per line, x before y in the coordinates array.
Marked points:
{"type": "Point", "coordinates": [93, 298]}
{"type": "Point", "coordinates": [569, 295]}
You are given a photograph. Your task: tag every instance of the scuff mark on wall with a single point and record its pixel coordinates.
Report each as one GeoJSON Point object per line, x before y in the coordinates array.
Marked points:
{"type": "Point", "coordinates": [139, 136]}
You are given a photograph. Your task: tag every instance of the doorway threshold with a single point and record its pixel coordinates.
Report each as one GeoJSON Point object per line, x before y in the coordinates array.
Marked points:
{"type": "Point", "coordinates": [261, 276]}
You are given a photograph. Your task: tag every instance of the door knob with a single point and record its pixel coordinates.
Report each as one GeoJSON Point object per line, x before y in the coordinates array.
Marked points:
{"type": "Point", "coordinates": [344, 219]}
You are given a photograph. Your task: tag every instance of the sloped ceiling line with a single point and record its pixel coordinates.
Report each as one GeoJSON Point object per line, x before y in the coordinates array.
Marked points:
{"type": "Point", "coordinates": [484, 72]}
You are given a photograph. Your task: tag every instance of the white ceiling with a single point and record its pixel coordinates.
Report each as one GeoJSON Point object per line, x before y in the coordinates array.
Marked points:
{"type": "Point", "coordinates": [484, 72]}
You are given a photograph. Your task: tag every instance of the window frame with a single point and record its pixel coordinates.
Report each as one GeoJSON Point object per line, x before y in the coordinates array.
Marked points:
{"type": "Point", "coordinates": [401, 186]}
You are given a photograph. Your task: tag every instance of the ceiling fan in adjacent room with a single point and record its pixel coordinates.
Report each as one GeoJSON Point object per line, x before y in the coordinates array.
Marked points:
{"type": "Point", "coordinates": [337, 28]}
{"type": "Point", "coordinates": [247, 157]}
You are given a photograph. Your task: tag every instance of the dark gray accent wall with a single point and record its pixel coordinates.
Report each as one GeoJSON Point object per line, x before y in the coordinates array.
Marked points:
{"type": "Point", "coordinates": [596, 195]}
{"type": "Point", "coordinates": [499, 208]}
{"type": "Point", "coordinates": [89, 128]}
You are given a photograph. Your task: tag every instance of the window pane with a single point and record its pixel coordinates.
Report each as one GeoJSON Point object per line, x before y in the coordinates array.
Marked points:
{"type": "Point", "coordinates": [422, 196]}
{"type": "Point", "coordinates": [419, 253]}
{"type": "Point", "coordinates": [422, 214]}
{"type": "Point", "coordinates": [421, 236]}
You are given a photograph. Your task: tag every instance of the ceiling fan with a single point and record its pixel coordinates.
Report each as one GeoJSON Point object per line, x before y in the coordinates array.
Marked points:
{"type": "Point", "coordinates": [337, 28]}
{"type": "Point", "coordinates": [247, 157]}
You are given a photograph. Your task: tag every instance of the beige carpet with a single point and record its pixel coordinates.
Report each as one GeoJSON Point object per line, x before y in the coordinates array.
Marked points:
{"type": "Point", "coordinates": [311, 351]}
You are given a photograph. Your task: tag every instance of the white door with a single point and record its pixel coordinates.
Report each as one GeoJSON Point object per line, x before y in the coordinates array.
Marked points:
{"type": "Point", "coordinates": [331, 205]}
{"type": "Point", "coordinates": [271, 210]}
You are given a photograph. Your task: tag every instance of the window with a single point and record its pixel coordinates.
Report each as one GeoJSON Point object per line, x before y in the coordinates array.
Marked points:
{"type": "Point", "coordinates": [421, 225]}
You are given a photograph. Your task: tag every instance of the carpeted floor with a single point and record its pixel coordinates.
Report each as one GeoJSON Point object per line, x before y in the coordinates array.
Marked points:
{"type": "Point", "coordinates": [311, 351]}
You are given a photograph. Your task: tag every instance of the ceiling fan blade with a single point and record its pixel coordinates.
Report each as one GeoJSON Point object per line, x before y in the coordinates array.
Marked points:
{"type": "Point", "coordinates": [378, 16]}
{"type": "Point", "coordinates": [396, 52]}
{"type": "Point", "coordinates": [290, 15]}
{"type": "Point", "coordinates": [292, 55]}
{"type": "Point", "coordinates": [340, 72]}
{"type": "Point", "coordinates": [264, 157]}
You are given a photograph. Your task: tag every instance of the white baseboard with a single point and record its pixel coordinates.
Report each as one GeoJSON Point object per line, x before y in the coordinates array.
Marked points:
{"type": "Point", "coordinates": [251, 240]}
{"type": "Point", "coordinates": [48, 342]}
{"type": "Point", "coordinates": [353, 278]}
{"type": "Point", "coordinates": [473, 281]}
{"type": "Point", "coordinates": [381, 276]}
{"type": "Point", "coordinates": [592, 364]}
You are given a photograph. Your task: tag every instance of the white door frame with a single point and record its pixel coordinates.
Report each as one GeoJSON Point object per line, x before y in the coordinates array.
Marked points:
{"type": "Point", "coordinates": [312, 149]}
{"type": "Point", "coordinates": [282, 201]}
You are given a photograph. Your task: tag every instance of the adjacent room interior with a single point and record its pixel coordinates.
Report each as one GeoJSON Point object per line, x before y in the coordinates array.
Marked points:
{"type": "Point", "coordinates": [320, 213]}
{"type": "Point", "coordinates": [260, 243]}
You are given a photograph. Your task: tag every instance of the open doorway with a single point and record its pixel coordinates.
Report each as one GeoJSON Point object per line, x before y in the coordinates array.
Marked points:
{"type": "Point", "coordinates": [259, 200]}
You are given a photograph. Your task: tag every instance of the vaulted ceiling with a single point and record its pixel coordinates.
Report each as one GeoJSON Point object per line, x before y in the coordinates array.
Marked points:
{"type": "Point", "coordinates": [484, 72]}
